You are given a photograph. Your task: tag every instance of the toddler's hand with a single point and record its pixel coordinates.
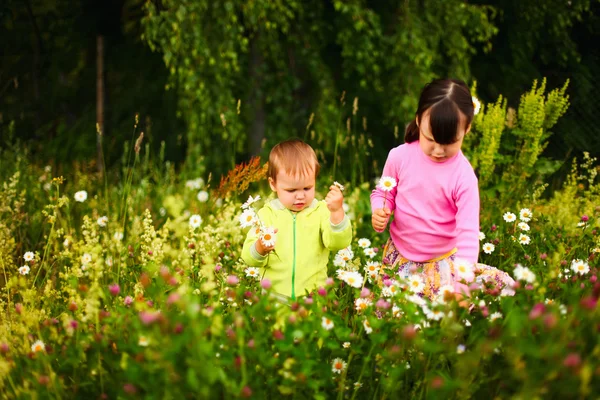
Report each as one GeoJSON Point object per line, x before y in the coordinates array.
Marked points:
{"type": "Point", "coordinates": [262, 249]}
{"type": "Point", "coordinates": [335, 203]}
{"type": "Point", "coordinates": [380, 218]}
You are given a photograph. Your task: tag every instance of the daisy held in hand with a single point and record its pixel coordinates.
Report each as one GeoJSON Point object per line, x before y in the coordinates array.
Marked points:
{"type": "Point", "coordinates": [249, 218]}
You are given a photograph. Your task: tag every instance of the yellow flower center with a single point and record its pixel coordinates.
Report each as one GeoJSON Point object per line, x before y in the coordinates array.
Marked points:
{"type": "Point", "coordinates": [267, 237]}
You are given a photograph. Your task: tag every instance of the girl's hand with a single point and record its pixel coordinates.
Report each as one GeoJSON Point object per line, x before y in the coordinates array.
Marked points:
{"type": "Point", "coordinates": [335, 203]}
{"type": "Point", "coordinates": [380, 218]}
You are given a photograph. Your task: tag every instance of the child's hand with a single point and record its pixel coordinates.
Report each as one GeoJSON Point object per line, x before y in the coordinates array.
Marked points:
{"type": "Point", "coordinates": [380, 218]}
{"type": "Point", "coordinates": [262, 249]}
{"type": "Point", "coordinates": [335, 202]}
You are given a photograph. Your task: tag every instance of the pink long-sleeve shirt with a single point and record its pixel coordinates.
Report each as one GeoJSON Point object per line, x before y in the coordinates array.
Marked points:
{"type": "Point", "coordinates": [435, 205]}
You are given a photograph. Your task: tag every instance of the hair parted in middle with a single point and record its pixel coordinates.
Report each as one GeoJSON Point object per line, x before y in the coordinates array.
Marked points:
{"type": "Point", "coordinates": [445, 99]}
{"type": "Point", "coordinates": [293, 156]}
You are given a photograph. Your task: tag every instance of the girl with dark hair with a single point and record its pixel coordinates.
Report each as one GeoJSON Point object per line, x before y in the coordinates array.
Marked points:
{"type": "Point", "coordinates": [434, 236]}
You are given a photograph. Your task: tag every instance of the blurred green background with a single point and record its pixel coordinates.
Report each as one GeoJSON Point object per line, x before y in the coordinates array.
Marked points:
{"type": "Point", "coordinates": [238, 76]}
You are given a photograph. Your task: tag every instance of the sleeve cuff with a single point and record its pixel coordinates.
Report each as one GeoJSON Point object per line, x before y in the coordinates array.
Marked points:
{"type": "Point", "coordinates": [255, 254]}
{"type": "Point", "coordinates": [341, 226]}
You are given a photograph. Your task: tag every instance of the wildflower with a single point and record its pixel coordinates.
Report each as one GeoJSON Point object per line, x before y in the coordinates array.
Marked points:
{"type": "Point", "coordinates": [481, 236]}
{"type": "Point", "coordinates": [495, 316]}
{"type": "Point", "coordinates": [265, 284]}
{"type": "Point", "coordinates": [460, 349]}
{"type": "Point", "coordinates": [248, 218]}
{"type": "Point", "coordinates": [252, 272]}
{"type": "Point", "coordinates": [38, 346]}
{"type": "Point", "coordinates": [102, 221]}
{"type": "Point", "coordinates": [390, 291]}
{"type": "Point", "coordinates": [346, 345]}
{"type": "Point", "coordinates": [24, 270]}
{"type": "Point", "coordinates": [202, 196]}
{"type": "Point", "coordinates": [367, 327]}
{"type": "Point", "coordinates": [582, 224]}
{"type": "Point", "coordinates": [268, 237]}
{"type": "Point", "coordinates": [509, 217]}
{"type": "Point", "coordinates": [127, 301]}
{"type": "Point", "coordinates": [66, 242]}
{"type": "Point", "coordinates": [415, 283]}
{"type": "Point", "coordinates": [86, 258]}
{"type": "Point", "coordinates": [524, 239]}
{"type": "Point", "coordinates": [232, 280]}
{"type": "Point", "coordinates": [446, 290]}
{"type": "Point", "coordinates": [327, 324]}
{"type": "Point", "coordinates": [194, 184]}
{"type": "Point", "coordinates": [524, 226]}
{"type": "Point", "coordinates": [251, 200]}
{"type": "Point", "coordinates": [339, 185]}
{"type": "Point", "coordinates": [338, 365]}
{"type": "Point", "coordinates": [372, 266]}
{"type": "Point", "coordinates": [81, 196]}
{"type": "Point", "coordinates": [488, 248]}
{"type": "Point", "coordinates": [357, 385]}
{"type": "Point", "coordinates": [434, 315]}
{"type": "Point", "coordinates": [386, 183]}
{"type": "Point", "coordinates": [29, 256]}
{"type": "Point", "coordinates": [195, 221]}
{"type": "Point", "coordinates": [362, 304]}
{"type": "Point", "coordinates": [524, 274]}
{"type": "Point", "coordinates": [353, 279]}
{"type": "Point", "coordinates": [118, 236]}
{"type": "Point", "coordinates": [525, 214]}
{"type": "Point", "coordinates": [143, 341]}
{"type": "Point", "coordinates": [364, 243]}
{"type": "Point", "coordinates": [114, 289]}
{"type": "Point", "coordinates": [476, 105]}
{"type": "Point", "coordinates": [581, 267]}
{"type": "Point", "coordinates": [370, 252]}
{"type": "Point", "coordinates": [346, 254]}
{"type": "Point", "coordinates": [464, 270]}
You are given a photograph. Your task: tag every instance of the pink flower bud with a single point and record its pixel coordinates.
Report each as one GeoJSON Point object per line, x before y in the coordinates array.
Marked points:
{"type": "Point", "coordinates": [232, 280]}
{"type": "Point", "coordinates": [265, 284]}
{"type": "Point", "coordinates": [365, 292]}
{"type": "Point", "coordinates": [572, 360]}
{"type": "Point", "coordinates": [114, 289]}
{"type": "Point", "coordinates": [537, 311]}
{"type": "Point", "coordinates": [585, 218]}
{"type": "Point", "coordinates": [322, 291]}
{"type": "Point", "coordinates": [128, 300]}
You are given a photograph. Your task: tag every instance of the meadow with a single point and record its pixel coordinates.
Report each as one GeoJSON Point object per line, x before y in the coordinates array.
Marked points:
{"type": "Point", "coordinates": [128, 284]}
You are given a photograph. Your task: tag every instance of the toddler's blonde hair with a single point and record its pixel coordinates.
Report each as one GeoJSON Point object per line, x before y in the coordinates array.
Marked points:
{"type": "Point", "coordinates": [293, 156]}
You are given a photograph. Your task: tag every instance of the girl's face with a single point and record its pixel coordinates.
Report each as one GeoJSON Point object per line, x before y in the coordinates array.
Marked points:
{"type": "Point", "coordinates": [435, 151]}
{"type": "Point", "coordinates": [295, 192]}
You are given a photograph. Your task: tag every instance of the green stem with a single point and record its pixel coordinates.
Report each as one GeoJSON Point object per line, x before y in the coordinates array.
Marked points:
{"type": "Point", "coordinates": [362, 371]}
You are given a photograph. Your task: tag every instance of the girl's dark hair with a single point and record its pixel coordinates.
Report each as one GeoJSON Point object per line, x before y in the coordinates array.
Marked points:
{"type": "Point", "coordinates": [444, 98]}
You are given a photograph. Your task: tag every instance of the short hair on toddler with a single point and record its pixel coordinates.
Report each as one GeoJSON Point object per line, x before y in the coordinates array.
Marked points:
{"type": "Point", "coordinates": [293, 156]}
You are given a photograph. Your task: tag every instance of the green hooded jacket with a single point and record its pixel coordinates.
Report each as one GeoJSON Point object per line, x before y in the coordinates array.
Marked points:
{"type": "Point", "coordinates": [302, 247]}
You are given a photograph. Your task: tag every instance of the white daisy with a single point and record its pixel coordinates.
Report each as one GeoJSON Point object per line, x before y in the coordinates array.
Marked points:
{"type": "Point", "coordinates": [80, 196]}
{"type": "Point", "coordinates": [362, 304]}
{"type": "Point", "coordinates": [143, 341]}
{"type": "Point", "coordinates": [509, 217]}
{"type": "Point", "coordinates": [367, 327]}
{"type": "Point", "coordinates": [579, 266]}
{"type": "Point", "coordinates": [390, 291]}
{"type": "Point", "coordinates": [415, 283]}
{"type": "Point", "coordinates": [252, 272]}
{"type": "Point", "coordinates": [460, 349]}
{"type": "Point", "coordinates": [370, 252]}
{"type": "Point", "coordinates": [444, 291]}
{"type": "Point", "coordinates": [86, 258]}
{"type": "Point", "coordinates": [495, 316]}
{"type": "Point", "coordinates": [268, 236]}
{"type": "Point", "coordinates": [338, 261]}
{"type": "Point", "coordinates": [346, 254]}
{"type": "Point", "coordinates": [524, 239]}
{"type": "Point", "coordinates": [386, 183]}
{"type": "Point", "coordinates": [481, 236]}
{"type": "Point", "coordinates": [346, 345]}
{"type": "Point", "coordinates": [202, 196]}
{"type": "Point", "coordinates": [118, 236]}
{"type": "Point", "coordinates": [476, 105]}
{"type": "Point", "coordinates": [488, 248]}
{"type": "Point", "coordinates": [38, 346]}
{"type": "Point", "coordinates": [372, 266]}
{"type": "Point", "coordinates": [522, 273]}
{"type": "Point", "coordinates": [248, 218]}
{"type": "Point", "coordinates": [339, 185]}
{"type": "Point", "coordinates": [525, 214]}
{"type": "Point", "coordinates": [24, 270]}
{"type": "Point", "coordinates": [194, 184]}
{"type": "Point", "coordinates": [327, 323]}
{"type": "Point", "coordinates": [434, 315]}
{"type": "Point", "coordinates": [102, 221]}
{"type": "Point", "coordinates": [364, 243]}
{"type": "Point", "coordinates": [251, 200]}
{"type": "Point", "coordinates": [29, 256]}
{"type": "Point", "coordinates": [353, 279]}
{"type": "Point", "coordinates": [338, 365]}
{"type": "Point", "coordinates": [195, 221]}
{"type": "Point", "coordinates": [464, 270]}
{"type": "Point", "coordinates": [524, 226]}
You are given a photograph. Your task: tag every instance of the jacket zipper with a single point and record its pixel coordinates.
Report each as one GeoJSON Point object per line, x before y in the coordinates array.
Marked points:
{"type": "Point", "coordinates": [294, 262]}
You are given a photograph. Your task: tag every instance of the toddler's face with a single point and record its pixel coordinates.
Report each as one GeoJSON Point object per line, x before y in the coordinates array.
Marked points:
{"type": "Point", "coordinates": [435, 151]}
{"type": "Point", "coordinates": [295, 192]}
